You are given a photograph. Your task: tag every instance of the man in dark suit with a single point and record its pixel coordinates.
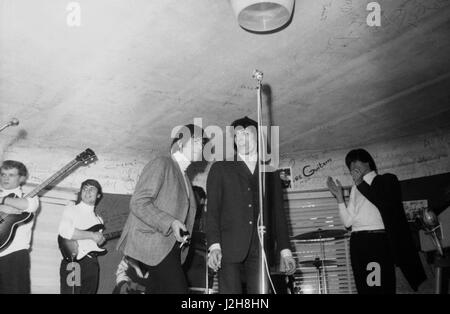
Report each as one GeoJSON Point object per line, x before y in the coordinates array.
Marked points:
{"type": "Point", "coordinates": [161, 208]}
{"type": "Point", "coordinates": [380, 231]}
{"type": "Point", "coordinates": [232, 216]}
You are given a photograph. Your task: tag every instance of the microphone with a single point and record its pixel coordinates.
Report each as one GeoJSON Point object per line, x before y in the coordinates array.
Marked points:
{"type": "Point", "coordinates": [257, 75]}
{"type": "Point", "coordinates": [13, 122]}
{"type": "Point", "coordinates": [431, 225]}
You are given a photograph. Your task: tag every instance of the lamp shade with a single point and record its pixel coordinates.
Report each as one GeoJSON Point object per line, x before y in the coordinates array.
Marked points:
{"type": "Point", "coordinates": [262, 16]}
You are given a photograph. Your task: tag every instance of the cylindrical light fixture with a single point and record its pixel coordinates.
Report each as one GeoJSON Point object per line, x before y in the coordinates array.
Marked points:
{"type": "Point", "coordinates": [262, 16]}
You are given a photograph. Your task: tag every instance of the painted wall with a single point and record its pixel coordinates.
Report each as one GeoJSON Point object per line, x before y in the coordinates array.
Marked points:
{"type": "Point", "coordinates": [117, 174]}
{"type": "Point", "coordinates": [408, 158]}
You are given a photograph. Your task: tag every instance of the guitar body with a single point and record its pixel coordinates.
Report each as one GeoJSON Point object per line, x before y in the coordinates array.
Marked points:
{"type": "Point", "coordinates": [8, 227]}
{"type": "Point", "coordinates": [75, 250]}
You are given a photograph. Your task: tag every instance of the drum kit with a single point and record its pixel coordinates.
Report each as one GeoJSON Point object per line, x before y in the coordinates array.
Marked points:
{"type": "Point", "coordinates": [320, 263]}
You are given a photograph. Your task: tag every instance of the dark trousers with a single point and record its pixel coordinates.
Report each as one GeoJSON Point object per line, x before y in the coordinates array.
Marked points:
{"type": "Point", "coordinates": [233, 275]}
{"type": "Point", "coordinates": [15, 273]}
{"type": "Point", "coordinates": [79, 277]}
{"type": "Point", "coordinates": [195, 269]}
{"type": "Point", "coordinates": [168, 276]}
{"type": "Point", "coordinates": [367, 248]}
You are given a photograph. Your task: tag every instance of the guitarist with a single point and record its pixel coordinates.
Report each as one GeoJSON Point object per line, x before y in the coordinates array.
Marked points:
{"type": "Point", "coordinates": [75, 220]}
{"type": "Point", "coordinates": [15, 259]}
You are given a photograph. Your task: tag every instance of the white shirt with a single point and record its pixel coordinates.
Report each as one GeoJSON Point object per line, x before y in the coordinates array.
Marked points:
{"type": "Point", "coordinates": [22, 238]}
{"type": "Point", "coordinates": [182, 160]}
{"type": "Point", "coordinates": [360, 213]}
{"type": "Point", "coordinates": [184, 163]}
{"type": "Point", "coordinates": [250, 160]}
{"type": "Point", "coordinates": [81, 217]}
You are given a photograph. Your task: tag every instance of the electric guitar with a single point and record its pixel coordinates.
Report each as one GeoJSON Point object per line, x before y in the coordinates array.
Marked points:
{"type": "Point", "coordinates": [75, 250]}
{"type": "Point", "coordinates": [10, 222]}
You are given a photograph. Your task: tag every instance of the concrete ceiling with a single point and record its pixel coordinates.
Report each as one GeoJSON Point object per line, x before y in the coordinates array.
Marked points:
{"type": "Point", "coordinates": [134, 69]}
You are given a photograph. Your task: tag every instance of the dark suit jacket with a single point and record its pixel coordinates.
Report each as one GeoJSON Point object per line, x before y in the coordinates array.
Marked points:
{"type": "Point", "coordinates": [229, 219]}
{"type": "Point", "coordinates": [160, 197]}
{"type": "Point", "coordinates": [385, 194]}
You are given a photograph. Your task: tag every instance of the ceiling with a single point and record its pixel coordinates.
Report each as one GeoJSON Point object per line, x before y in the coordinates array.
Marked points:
{"type": "Point", "coordinates": [134, 69]}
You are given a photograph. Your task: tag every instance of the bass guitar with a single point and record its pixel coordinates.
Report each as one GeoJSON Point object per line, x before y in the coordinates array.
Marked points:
{"type": "Point", "coordinates": [75, 250]}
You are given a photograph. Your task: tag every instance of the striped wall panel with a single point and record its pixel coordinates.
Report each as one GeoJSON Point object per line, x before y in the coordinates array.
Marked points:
{"type": "Point", "coordinates": [306, 212]}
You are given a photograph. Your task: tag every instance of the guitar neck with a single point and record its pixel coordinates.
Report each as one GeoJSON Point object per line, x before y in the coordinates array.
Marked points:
{"type": "Point", "coordinates": [64, 170]}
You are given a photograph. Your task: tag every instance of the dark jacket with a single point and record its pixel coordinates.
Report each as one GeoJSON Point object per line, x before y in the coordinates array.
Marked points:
{"type": "Point", "coordinates": [232, 218]}
{"type": "Point", "coordinates": [385, 194]}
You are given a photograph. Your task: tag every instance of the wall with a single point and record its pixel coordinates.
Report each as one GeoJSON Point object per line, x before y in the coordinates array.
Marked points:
{"type": "Point", "coordinates": [116, 173]}
{"type": "Point", "coordinates": [408, 158]}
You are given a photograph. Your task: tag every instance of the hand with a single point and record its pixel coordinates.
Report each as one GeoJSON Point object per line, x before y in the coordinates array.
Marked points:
{"type": "Point", "coordinates": [98, 238]}
{"type": "Point", "coordinates": [215, 259]}
{"type": "Point", "coordinates": [177, 226]}
{"type": "Point", "coordinates": [288, 265]}
{"type": "Point", "coordinates": [335, 189]}
{"type": "Point", "coordinates": [357, 176]}
{"type": "Point", "coordinates": [9, 210]}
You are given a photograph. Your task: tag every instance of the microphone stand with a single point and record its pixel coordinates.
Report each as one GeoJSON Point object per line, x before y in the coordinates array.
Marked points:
{"type": "Point", "coordinates": [261, 229]}
{"type": "Point", "coordinates": [5, 126]}
{"type": "Point", "coordinates": [14, 121]}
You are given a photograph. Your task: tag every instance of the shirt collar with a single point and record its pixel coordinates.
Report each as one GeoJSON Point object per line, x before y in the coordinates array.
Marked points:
{"type": "Point", "coordinates": [85, 206]}
{"type": "Point", "coordinates": [182, 161]}
{"type": "Point", "coordinates": [17, 191]}
{"type": "Point", "coordinates": [249, 158]}
{"type": "Point", "coordinates": [368, 177]}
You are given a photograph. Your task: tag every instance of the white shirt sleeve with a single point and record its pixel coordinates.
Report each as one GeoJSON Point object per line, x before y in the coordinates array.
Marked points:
{"type": "Point", "coordinates": [33, 204]}
{"type": "Point", "coordinates": [67, 225]}
{"type": "Point", "coordinates": [347, 213]}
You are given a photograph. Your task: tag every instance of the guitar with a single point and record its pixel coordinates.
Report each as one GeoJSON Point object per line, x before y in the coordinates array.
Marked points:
{"type": "Point", "coordinates": [10, 222]}
{"type": "Point", "coordinates": [75, 250]}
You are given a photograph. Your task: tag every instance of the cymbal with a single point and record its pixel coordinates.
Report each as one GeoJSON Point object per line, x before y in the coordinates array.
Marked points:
{"type": "Point", "coordinates": [321, 235]}
{"type": "Point", "coordinates": [318, 263]}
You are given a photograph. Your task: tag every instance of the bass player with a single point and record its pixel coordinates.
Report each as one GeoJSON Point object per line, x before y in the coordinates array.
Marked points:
{"type": "Point", "coordinates": [81, 276]}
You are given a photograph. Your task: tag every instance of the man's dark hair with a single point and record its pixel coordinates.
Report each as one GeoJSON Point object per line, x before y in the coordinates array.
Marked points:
{"type": "Point", "coordinates": [192, 131]}
{"type": "Point", "coordinates": [244, 122]}
{"type": "Point", "coordinates": [360, 155]}
{"type": "Point", "coordinates": [13, 164]}
{"type": "Point", "coordinates": [94, 183]}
